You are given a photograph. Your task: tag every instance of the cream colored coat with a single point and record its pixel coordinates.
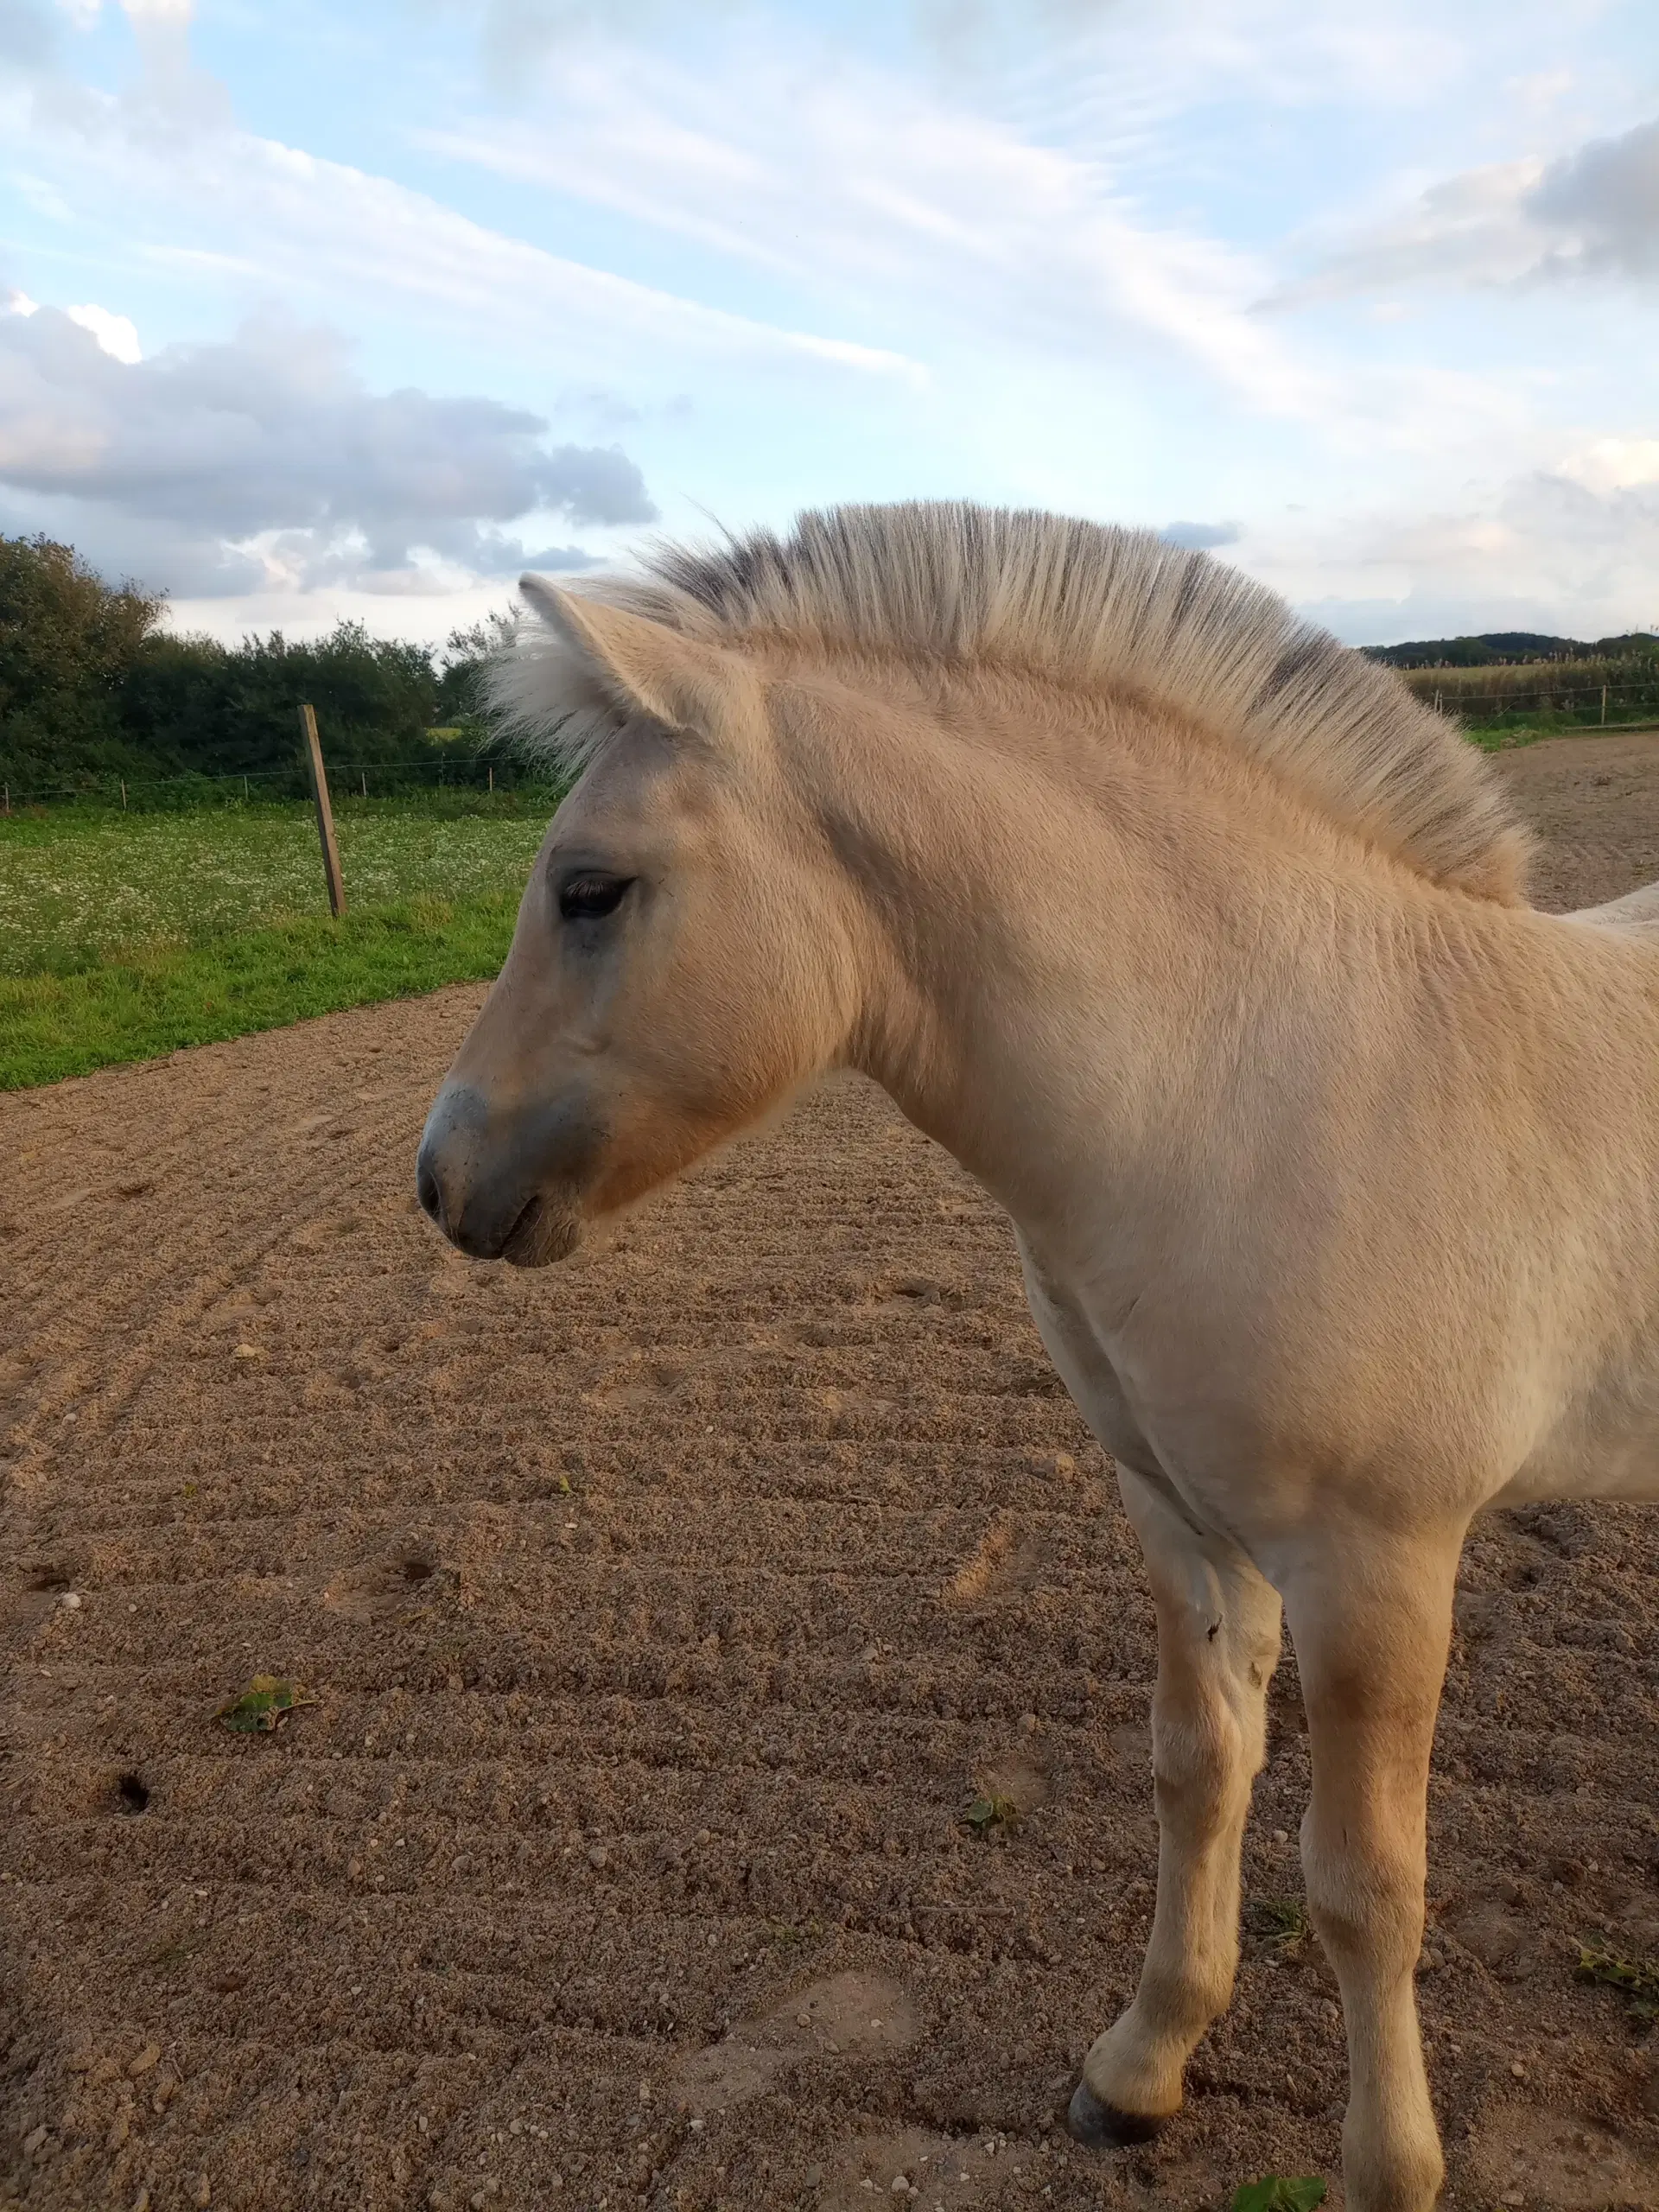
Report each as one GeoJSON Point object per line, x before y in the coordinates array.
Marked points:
{"type": "Point", "coordinates": [1334, 1166]}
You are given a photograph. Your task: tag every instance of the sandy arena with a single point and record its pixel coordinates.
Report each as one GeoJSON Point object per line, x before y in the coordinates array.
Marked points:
{"type": "Point", "coordinates": [666, 1614]}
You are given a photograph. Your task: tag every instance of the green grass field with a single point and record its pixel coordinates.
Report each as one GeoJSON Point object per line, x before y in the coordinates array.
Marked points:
{"type": "Point", "coordinates": [126, 936]}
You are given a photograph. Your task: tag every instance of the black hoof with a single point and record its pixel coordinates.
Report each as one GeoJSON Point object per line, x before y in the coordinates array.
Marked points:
{"type": "Point", "coordinates": [1104, 2127]}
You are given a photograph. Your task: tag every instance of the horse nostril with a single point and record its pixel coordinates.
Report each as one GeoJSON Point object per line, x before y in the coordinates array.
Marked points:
{"type": "Point", "coordinates": [427, 1191]}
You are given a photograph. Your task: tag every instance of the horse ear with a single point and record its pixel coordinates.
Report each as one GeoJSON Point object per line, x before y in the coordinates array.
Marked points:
{"type": "Point", "coordinates": [639, 666]}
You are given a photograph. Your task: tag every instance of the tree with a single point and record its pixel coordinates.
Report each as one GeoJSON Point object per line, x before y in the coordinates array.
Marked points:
{"type": "Point", "coordinates": [91, 688]}
{"type": "Point", "coordinates": [462, 665]}
{"type": "Point", "coordinates": [67, 642]}
{"type": "Point", "coordinates": [192, 705]}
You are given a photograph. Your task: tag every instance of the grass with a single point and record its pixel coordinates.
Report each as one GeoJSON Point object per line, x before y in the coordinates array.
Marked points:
{"type": "Point", "coordinates": [1279, 1925]}
{"type": "Point", "coordinates": [1505, 736]}
{"type": "Point", "coordinates": [153, 998]}
{"type": "Point", "coordinates": [125, 936]}
{"type": "Point", "coordinates": [79, 886]}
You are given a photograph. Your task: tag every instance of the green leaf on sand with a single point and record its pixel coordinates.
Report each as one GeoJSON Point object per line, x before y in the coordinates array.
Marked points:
{"type": "Point", "coordinates": [266, 1700]}
{"type": "Point", "coordinates": [1275, 2193]}
{"type": "Point", "coordinates": [1638, 1979]}
{"type": "Point", "coordinates": [991, 1811]}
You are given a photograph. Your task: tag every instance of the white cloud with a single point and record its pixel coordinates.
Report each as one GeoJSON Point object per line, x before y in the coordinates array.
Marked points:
{"type": "Point", "coordinates": [1295, 55]}
{"type": "Point", "coordinates": [116, 333]}
{"type": "Point", "coordinates": [1570, 546]}
{"type": "Point", "coordinates": [1608, 465]}
{"type": "Point", "coordinates": [1282, 51]}
{"type": "Point", "coordinates": [1471, 228]}
{"type": "Point", "coordinates": [265, 458]}
{"type": "Point", "coordinates": [167, 170]}
{"type": "Point", "coordinates": [1601, 204]}
{"type": "Point", "coordinates": [1019, 261]}
{"type": "Point", "coordinates": [1591, 213]}
{"type": "Point", "coordinates": [870, 192]}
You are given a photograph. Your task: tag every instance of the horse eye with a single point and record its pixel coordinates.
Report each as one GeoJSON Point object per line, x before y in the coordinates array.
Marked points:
{"type": "Point", "coordinates": [586, 898]}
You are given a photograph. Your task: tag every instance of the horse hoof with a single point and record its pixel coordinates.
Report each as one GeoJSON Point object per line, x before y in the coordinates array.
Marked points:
{"type": "Point", "coordinates": [1103, 2127]}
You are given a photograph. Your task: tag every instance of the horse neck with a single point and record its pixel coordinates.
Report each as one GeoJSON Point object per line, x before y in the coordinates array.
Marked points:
{"type": "Point", "coordinates": [1057, 965]}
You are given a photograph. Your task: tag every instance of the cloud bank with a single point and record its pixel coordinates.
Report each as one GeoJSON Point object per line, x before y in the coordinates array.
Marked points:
{"type": "Point", "coordinates": [266, 460]}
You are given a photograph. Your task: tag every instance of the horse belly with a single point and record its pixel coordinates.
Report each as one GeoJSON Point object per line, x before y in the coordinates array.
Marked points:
{"type": "Point", "coordinates": [1607, 1446]}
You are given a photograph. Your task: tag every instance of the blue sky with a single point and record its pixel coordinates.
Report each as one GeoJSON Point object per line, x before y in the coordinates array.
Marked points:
{"type": "Point", "coordinates": [307, 311]}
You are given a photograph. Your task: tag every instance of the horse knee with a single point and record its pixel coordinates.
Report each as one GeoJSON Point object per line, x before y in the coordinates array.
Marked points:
{"type": "Point", "coordinates": [1199, 1772]}
{"type": "Point", "coordinates": [1365, 1902]}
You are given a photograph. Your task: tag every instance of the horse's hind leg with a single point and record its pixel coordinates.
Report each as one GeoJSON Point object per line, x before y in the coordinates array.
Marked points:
{"type": "Point", "coordinates": [1218, 1640]}
{"type": "Point", "coordinates": [1372, 1622]}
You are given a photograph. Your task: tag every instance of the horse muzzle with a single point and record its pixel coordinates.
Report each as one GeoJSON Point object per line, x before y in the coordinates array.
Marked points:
{"type": "Point", "coordinates": [507, 1183]}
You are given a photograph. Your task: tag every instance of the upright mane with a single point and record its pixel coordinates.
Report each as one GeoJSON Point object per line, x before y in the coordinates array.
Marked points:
{"type": "Point", "coordinates": [1102, 608]}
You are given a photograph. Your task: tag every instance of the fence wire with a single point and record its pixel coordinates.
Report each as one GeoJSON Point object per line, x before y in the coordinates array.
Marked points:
{"type": "Point", "coordinates": [347, 779]}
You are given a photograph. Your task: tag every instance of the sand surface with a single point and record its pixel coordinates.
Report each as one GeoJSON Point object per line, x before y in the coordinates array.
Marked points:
{"type": "Point", "coordinates": [666, 1614]}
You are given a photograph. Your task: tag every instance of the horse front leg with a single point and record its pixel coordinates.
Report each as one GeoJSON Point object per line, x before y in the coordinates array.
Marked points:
{"type": "Point", "coordinates": [1218, 1642]}
{"type": "Point", "coordinates": [1371, 1621]}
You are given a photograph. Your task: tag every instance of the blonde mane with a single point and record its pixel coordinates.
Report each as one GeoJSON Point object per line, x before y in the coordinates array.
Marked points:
{"type": "Point", "coordinates": [1104, 609]}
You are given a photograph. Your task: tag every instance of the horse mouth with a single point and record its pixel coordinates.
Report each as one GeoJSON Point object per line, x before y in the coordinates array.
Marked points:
{"type": "Point", "coordinates": [541, 1234]}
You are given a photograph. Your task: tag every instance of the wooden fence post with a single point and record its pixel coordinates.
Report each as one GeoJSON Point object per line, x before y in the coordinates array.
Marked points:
{"type": "Point", "coordinates": [324, 813]}
{"type": "Point", "coordinates": [1604, 702]}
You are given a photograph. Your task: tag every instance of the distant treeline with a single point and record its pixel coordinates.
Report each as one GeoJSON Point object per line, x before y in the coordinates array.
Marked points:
{"type": "Point", "coordinates": [1500, 648]}
{"type": "Point", "coordinates": [92, 688]}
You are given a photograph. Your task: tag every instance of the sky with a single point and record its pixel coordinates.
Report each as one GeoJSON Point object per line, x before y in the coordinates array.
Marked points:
{"type": "Point", "coordinates": [317, 310]}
